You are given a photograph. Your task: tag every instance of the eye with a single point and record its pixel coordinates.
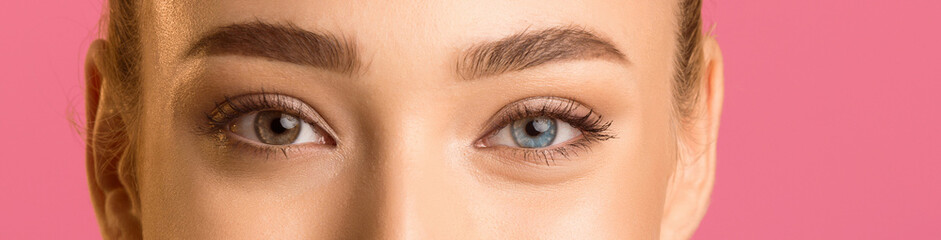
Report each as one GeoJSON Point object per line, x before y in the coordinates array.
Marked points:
{"type": "Point", "coordinates": [534, 132]}
{"type": "Point", "coordinates": [275, 127]}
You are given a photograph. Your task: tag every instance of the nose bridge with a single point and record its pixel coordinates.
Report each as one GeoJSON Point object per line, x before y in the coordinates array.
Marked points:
{"type": "Point", "coordinates": [407, 155]}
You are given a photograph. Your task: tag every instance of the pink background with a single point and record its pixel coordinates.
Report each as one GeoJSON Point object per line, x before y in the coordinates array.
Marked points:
{"type": "Point", "coordinates": [831, 126]}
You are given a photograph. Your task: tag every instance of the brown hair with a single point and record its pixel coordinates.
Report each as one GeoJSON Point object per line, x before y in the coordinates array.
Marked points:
{"type": "Point", "coordinates": [688, 61]}
{"type": "Point", "coordinates": [120, 64]}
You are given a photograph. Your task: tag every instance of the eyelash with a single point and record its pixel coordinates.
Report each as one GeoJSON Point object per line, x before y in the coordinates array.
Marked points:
{"type": "Point", "coordinates": [592, 125]}
{"type": "Point", "coordinates": [221, 117]}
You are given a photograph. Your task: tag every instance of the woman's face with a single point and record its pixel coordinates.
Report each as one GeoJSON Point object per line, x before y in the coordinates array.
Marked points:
{"type": "Point", "coordinates": [406, 119]}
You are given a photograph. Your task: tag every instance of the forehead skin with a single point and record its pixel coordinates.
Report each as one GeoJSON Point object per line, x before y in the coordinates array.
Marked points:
{"type": "Point", "coordinates": [400, 115]}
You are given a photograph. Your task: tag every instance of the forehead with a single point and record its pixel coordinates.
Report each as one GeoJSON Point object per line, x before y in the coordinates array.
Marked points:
{"type": "Point", "coordinates": [401, 28]}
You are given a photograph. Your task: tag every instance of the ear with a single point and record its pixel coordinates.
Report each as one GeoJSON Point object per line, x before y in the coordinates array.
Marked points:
{"type": "Point", "coordinates": [112, 191]}
{"type": "Point", "coordinates": [691, 184]}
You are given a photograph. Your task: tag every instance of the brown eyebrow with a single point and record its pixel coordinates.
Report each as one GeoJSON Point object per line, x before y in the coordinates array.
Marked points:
{"type": "Point", "coordinates": [532, 48]}
{"type": "Point", "coordinates": [287, 43]}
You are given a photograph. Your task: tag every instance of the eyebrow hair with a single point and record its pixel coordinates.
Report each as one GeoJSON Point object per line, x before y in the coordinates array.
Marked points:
{"type": "Point", "coordinates": [532, 48]}
{"type": "Point", "coordinates": [287, 43]}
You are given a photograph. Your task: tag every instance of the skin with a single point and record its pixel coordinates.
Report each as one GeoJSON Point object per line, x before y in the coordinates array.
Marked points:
{"type": "Point", "coordinates": [405, 164]}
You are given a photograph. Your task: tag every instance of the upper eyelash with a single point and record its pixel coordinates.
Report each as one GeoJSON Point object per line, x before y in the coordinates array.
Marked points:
{"type": "Point", "coordinates": [221, 117]}
{"type": "Point", "coordinates": [591, 123]}
{"type": "Point", "coordinates": [593, 126]}
{"type": "Point", "coordinates": [230, 109]}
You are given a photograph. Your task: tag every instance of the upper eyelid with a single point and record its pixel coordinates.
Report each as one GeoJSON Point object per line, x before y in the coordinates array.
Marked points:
{"type": "Point", "coordinates": [557, 107]}
{"type": "Point", "coordinates": [246, 103]}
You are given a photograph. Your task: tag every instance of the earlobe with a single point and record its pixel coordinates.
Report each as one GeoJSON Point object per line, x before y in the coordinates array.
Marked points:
{"type": "Point", "coordinates": [106, 147]}
{"type": "Point", "coordinates": [691, 184]}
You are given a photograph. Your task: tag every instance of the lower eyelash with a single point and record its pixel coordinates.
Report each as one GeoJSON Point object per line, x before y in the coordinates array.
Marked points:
{"type": "Point", "coordinates": [267, 150]}
{"type": "Point", "coordinates": [225, 142]}
{"type": "Point", "coordinates": [591, 124]}
{"type": "Point", "coordinates": [551, 154]}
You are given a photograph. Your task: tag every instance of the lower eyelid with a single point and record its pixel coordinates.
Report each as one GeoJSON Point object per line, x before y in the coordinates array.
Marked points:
{"type": "Point", "coordinates": [543, 156]}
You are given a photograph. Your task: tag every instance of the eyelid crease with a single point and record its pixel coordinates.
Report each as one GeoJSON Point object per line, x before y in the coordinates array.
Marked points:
{"type": "Point", "coordinates": [233, 107]}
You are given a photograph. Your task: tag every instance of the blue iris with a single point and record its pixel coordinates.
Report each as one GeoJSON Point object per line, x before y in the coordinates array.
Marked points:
{"type": "Point", "coordinates": [533, 132]}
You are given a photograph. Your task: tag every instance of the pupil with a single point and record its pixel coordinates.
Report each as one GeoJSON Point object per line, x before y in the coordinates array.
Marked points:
{"type": "Point", "coordinates": [531, 128]}
{"type": "Point", "coordinates": [276, 126]}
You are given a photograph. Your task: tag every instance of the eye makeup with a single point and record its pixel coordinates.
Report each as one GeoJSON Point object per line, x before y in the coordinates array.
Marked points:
{"type": "Point", "coordinates": [572, 126]}
{"type": "Point", "coordinates": [592, 127]}
{"type": "Point", "coordinates": [226, 121]}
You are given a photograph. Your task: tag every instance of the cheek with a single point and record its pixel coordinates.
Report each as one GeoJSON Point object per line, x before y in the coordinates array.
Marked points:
{"type": "Point", "coordinates": [629, 189]}
{"type": "Point", "coordinates": [185, 196]}
{"type": "Point", "coordinates": [629, 192]}
{"type": "Point", "coordinates": [621, 198]}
